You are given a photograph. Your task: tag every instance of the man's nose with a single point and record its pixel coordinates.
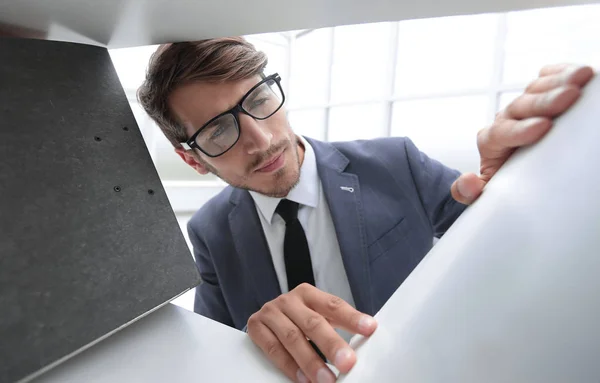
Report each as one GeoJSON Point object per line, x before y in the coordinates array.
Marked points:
{"type": "Point", "coordinates": [255, 137]}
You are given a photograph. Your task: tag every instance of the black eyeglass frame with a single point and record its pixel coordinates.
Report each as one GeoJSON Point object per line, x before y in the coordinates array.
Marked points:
{"type": "Point", "coordinates": [238, 108]}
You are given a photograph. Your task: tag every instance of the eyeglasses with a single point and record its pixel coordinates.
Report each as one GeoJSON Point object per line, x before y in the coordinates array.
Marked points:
{"type": "Point", "coordinates": [221, 133]}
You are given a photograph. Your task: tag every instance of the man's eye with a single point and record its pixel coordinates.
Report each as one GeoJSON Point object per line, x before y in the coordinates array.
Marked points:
{"type": "Point", "coordinates": [217, 132]}
{"type": "Point", "coordinates": [258, 102]}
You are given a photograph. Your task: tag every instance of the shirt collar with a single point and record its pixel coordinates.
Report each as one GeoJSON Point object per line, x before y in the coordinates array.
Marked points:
{"type": "Point", "coordinates": [306, 192]}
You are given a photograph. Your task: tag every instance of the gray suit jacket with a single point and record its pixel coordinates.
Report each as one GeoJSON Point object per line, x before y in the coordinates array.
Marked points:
{"type": "Point", "coordinates": [401, 200]}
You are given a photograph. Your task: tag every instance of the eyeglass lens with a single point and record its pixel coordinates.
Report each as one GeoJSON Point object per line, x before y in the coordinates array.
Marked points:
{"type": "Point", "coordinates": [222, 133]}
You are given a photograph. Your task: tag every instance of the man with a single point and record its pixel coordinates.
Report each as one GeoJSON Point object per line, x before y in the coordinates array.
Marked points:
{"type": "Point", "coordinates": [352, 219]}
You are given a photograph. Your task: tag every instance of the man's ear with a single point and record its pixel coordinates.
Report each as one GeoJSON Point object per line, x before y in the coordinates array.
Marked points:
{"type": "Point", "coordinates": [188, 157]}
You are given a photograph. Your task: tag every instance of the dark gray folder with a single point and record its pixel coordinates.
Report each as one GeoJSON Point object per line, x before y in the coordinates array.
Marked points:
{"type": "Point", "coordinates": [88, 240]}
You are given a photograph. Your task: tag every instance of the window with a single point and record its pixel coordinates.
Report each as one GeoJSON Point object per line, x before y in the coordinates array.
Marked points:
{"type": "Point", "coordinates": [361, 64]}
{"type": "Point", "coordinates": [309, 122]}
{"type": "Point", "coordinates": [144, 122]}
{"type": "Point", "coordinates": [131, 64]}
{"type": "Point", "coordinates": [445, 54]}
{"type": "Point", "coordinates": [310, 62]}
{"type": "Point", "coordinates": [444, 128]}
{"type": "Point", "coordinates": [354, 122]}
{"type": "Point", "coordinates": [547, 36]}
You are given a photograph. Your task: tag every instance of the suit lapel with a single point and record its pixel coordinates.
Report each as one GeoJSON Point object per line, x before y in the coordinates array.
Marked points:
{"type": "Point", "coordinates": [343, 195]}
{"type": "Point", "coordinates": [251, 245]}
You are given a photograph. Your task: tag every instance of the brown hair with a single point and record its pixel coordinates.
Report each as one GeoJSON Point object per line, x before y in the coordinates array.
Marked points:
{"type": "Point", "coordinates": [172, 65]}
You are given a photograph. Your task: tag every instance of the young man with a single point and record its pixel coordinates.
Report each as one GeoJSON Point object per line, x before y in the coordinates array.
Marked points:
{"type": "Point", "coordinates": [312, 236]}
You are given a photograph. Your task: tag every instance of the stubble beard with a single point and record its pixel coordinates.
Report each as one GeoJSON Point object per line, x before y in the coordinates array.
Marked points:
{"type": "Point", "coordinates": [285, 179]}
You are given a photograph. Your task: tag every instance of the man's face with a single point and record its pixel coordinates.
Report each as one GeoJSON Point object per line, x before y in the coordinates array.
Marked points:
{"type": "Point", "coordinates": [267, 156]}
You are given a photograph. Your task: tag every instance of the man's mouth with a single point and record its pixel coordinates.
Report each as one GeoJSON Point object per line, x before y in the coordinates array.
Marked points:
{"type": "Point", "coordinates": [271, 164]}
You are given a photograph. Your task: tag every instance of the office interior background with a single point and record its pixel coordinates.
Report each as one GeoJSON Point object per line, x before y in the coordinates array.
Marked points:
{"type": "Point", "coordinates": [437, 81]}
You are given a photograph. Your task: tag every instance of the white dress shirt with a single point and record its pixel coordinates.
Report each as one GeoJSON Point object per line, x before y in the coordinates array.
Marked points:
{"type": "Point", "coordinates": [314, 215]}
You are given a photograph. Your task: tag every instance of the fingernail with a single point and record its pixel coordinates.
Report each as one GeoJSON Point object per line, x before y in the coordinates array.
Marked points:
{"type": "Point", "coordinates": [301, 377]}
{"type": "Point", "coordinates": [463, 189]}
{"type": "Point", "coordinates": [366, 323]}
{"type": "Point", "coordinates": [324, 375]}
{"type": "Point", "coordinates": [342, 356]}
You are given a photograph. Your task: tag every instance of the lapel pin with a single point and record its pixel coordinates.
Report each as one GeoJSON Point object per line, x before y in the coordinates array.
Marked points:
{"type": "Point", "coordinates": [347, 188]}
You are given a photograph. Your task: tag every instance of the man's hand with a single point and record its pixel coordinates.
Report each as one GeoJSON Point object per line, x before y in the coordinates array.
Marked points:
{"type": "Point", "coordinates": [282, 326]}
{"type": "Point", "coordinates": [525, 121]}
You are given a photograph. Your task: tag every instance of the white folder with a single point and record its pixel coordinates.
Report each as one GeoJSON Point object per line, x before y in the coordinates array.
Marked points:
{"type": "Point", "coordinates": [511, 293]}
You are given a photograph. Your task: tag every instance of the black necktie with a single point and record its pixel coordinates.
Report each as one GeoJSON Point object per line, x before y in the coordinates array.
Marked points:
{"type": "Point", "coordinates": [296, 254]}
{"type": "Point", "coordinates": [298, 266]}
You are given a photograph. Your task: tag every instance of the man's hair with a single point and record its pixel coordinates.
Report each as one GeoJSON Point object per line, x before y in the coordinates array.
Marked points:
{"type": "Point", "coordinates": [173, 65]}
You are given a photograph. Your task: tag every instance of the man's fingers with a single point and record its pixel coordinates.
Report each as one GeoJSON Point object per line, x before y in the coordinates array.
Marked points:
{"type": "Point", "coordinates": [525, 121]}
{"type": "Point", "coordinates": [570, 75]}
{"type": "Point", "coordinates": [504, 135]}
{"type": "Point", "coordinates": [551, 94]}
{"type": "Point", "coordinates": [282, 329]}
{"type": "Point", "coordinates": [320, 331]}
{"type": "Point", "coordinates": [496, 144]}
{"type": "Point", "coordinates": [262, 336]}
{"type": "Point", "coordinates": [467, 188]}
{"type": "Point", "coordinates": [549, 104]}
{"type": "Point", "coordinates": [551, 69]}
{"type": "Point", "coordinates": [339, 312]}
{"type": "Point", "coordinates": [295, 342]}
